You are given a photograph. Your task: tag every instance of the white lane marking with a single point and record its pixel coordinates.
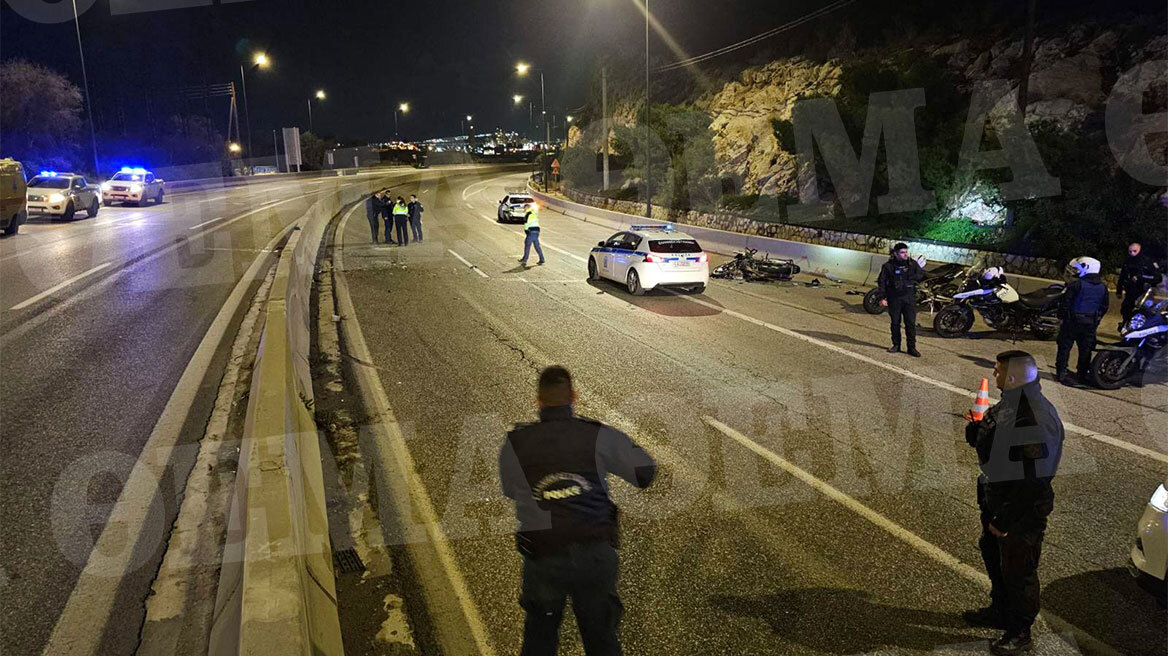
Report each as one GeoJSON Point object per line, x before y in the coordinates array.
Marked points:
{"type": "Point", "coordinates": [887, 525]}
{"type": "Point", "coordinates": [87, 613]}
{"type": "Point", "coordinates": [469, 206]}
{"type": "Point", "coordinates": [58, 287]}
{"type": "Point", "coordinates": [200, 225]}
{"type": "Point", "coordinates": [464, 261]}
{"type": "Point", "coordinates": [1085, 432]}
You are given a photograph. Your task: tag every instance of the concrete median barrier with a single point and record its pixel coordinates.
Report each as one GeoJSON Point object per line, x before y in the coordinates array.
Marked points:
{"type": "Point", "coordinates": [277, 592]}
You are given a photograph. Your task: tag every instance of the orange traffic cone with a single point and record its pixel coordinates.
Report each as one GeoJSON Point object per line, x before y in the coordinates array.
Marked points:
{"type": "Point", "coordinates": [982, 402]}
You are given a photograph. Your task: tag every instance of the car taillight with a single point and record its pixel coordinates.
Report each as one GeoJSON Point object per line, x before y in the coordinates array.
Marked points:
{"type": "Point", "coordinates": [703, 258]}
{"type": "Point", "coordinates": [650, 258]}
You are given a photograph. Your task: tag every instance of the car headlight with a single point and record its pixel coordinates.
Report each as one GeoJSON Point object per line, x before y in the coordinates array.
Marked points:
{"type": "Point", "coordinates": [56, 198]}
{"type": "Point", "coordinates": [105, 186]}
{"type": "Point", "coordinates": [135, 188]}
{"type": "Point", "coordinates": [1159, 499]}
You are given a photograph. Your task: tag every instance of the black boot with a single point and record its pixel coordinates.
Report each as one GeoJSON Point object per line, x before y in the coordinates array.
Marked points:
{"type": "Point", "coordinates": [894, 348]}
{"type": "Point", "coordinates": [1012, 643]}
{"type": "Point", "coordinates": [989, 617]}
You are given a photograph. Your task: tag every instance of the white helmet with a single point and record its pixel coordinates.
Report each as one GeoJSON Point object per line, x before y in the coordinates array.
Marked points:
{"type": "Point", "coordinates": [1084, 266]}
{"type": "Point", "coordinates": [992, 272]}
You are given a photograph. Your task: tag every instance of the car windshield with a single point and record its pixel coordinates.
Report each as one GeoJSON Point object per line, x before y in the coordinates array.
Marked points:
{"type": "Point", "coordinates": [674, 246]}
{"type": "Point", "coordinates": [127, 177]}
{"type": "Point", "coordinates": [516, 200]}
{"type": "Point", "coordinates": [49, 183]}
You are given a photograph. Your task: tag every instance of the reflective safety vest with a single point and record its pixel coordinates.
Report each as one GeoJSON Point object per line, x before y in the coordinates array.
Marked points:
{"type": "Point", "coordinates": [400, 208]}
{"type": "Point", "coordinates": [532, 222]}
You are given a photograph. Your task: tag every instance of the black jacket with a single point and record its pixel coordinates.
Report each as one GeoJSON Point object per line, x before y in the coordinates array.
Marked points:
{"type": "Point", "coordinates": [1084, 297]}
{"type": "Point", "coordinates": [899, 279]}
{"type": "Point", "coordinates": [373, 207]}
{"type": "Point", "coordinates": [556, 470]}
{"type": "Point", "coordinates": [416, 209]}
{"type": "Point", "coordinates": [1138, 274]}
{"type": "Point", "coordinates": [1019, 445]}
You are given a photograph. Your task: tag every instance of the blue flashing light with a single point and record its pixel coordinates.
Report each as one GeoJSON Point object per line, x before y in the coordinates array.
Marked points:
{"type": "Point", "coordinates": [667, 227]}
{"type": "Point", "coordinates": [48, 174]}
{"type": "Point", "coordinates": [138, 170]}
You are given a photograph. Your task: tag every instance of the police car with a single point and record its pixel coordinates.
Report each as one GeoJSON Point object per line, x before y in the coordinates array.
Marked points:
{"type": "Point", "coordinates": [514, 206]}
{"type": "Point", "coordinates": [1149, 555]}
{"type": "Point", "coordinates": [61, 195]}
{"type": "Point", "coordinates": [132, 185]}
{"type": "Point", "coordinates": [646, 257]}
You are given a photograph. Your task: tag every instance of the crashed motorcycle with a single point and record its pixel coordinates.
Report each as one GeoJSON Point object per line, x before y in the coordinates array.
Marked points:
{"type": "Point", "coordinates": [1001, 307]}
{"type": "Point", "coordinates": [939, 286]}
{"type": "Point", "coordinates": [745, 266]}
{"type": "Point", "coordinates": [1143, 338]}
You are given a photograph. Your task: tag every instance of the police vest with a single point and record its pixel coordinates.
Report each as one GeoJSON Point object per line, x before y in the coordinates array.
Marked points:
{"type": "Point", "coordinates": [1089, 300]}
{"type": "Point", "coordinates": [532, 222]}
{"type": "Point", "coordinates": [399, 208]}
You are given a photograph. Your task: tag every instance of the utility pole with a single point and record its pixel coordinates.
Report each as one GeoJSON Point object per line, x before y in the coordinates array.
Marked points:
{"type": "Point", "coordinates": [604, 118]}
{"type": "Point", "coordinates": [648, 150]}
{"type": "Point", "coordinates": [88, 98]}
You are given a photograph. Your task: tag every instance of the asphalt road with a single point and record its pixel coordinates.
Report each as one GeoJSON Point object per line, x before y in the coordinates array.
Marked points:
{"type": "Point", "coordinates": [733, 390]}
{"type": "Point", "coordinates": [98, 319]}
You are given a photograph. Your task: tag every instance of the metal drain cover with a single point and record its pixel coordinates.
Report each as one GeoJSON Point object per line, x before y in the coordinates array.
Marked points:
{"type": "Point", "coordinates": [346, 561]}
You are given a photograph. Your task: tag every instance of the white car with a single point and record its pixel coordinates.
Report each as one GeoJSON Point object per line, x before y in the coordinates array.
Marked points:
{"type": "Point", "coordinates": [1149, 555]}
{"type": "Point", "coordinates": [60, 195]}
{"type": "Point", "coordinates": [646, 257]}
{"type": "Point", "coordinates": [133, 185]}
{"type": "Point", "coordinates": [514, 206]}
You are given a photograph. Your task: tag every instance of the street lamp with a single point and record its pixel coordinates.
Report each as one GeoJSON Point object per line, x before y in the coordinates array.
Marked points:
{"type": "Point", "coordinates": [648, 152]}
{"type": "Point", "coordinates": [522, 69]}
{"type": "Point", "coordinates": [466, 122]}
{"type": "Point", "coordinates": [259, 60]}
{"type": "Point", "coordinates": [517, 98]}
{"type": "Point", "coordinates": [234, 147]}
{"type": "Point", "coordinates": [320, 95]}
{"type": "Point", "coordinates": [567, 125]}
{"type": "Point", "coordinates": [403, 108]}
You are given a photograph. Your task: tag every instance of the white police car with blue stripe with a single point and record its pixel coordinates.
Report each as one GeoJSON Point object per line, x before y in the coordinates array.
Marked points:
{"type": "Point", "coordinates": [647, 257]}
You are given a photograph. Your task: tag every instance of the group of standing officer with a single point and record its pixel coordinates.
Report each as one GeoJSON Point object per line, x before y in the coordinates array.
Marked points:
{"type": "Point", "coordinates": [396, 214]}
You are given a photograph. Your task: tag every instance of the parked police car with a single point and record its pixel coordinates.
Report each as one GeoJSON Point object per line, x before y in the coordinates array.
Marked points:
{"type": "Point", "coordinates": [61, 195]}
{"type": "Point", "coordinates": [1149, 555]}
{"type": "Point", "coordinates": [132, 185]}
{"type": "Point", "coordinates": [514, 206]}
{"type": "Point", "coordinates": [646, 257]}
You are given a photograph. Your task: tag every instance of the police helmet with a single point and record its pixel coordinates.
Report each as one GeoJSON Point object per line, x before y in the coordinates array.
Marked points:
{"type": "Point", "coordinates": [992, 272]}
{"type": "Point", "coordinates": [1083, 266]}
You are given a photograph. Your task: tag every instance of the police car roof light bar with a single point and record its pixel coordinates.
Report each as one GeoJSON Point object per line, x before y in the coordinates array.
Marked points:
{"type": "Point", "coordinates": [668, 227]}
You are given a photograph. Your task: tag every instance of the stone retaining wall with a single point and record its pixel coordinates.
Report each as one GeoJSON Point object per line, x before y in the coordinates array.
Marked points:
{"type": "Point", "coordinates": [1037, 267]}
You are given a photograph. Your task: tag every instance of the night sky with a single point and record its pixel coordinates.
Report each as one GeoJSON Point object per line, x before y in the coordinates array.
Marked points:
{"type": "Point", "coordinates": [447, 58]}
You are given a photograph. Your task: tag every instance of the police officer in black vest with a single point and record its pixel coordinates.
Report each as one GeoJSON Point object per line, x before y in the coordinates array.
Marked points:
{"type": "Point", "coordinates": [1139, 274]}
{"type": "Point", "coordinates": [1082, 306]}
{"type": "Point", "coordinates": [556, 470]}
{"type": "Point", "coordinates": [898, 283]}
{"type": "Point", "coordinates": [1019, 445]}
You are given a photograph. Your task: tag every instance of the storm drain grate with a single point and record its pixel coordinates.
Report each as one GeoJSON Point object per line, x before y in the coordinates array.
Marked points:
{"type": "Point", "coordinates": [347, 561]}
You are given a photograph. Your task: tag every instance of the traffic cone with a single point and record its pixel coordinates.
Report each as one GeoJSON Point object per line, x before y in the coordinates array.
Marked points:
{"type": "Point", "coordinates": [982, 403]}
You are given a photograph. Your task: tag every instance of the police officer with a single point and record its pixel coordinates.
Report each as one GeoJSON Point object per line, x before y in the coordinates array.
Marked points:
{"type": "Point", "coordinates": [401, 213]}
{"type": "Point", "coordinates": [415, 209]}
{"type": "Point", "coordinates": [386, 214]}
{"type": "Point", "coordinates": [556, 470]}
{"type": "Point", "coordinates": [1139, 274]}
{"type": "Point", "coordinates": [1082, 306]}
{"type": "Point", "coordinates": [531, 237]}
{"type": "Point", "coordinates": [898, 283]}
{"type": "Point", "coordinates": [1019, 445]}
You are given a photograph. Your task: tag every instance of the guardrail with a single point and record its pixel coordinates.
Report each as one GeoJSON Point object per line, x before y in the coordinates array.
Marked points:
{"type": "Point", "coordinates": [277, 592]}
{"type": "Point", "coordinates": [858, 267]}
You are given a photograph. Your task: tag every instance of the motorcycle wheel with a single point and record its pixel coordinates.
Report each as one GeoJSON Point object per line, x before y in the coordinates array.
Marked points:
{"type": "Point", "coordinates": [872, 301]}
{"type": "Point", "coordinates": [1108, 369]}
{"type": "Point", "coordinates": [953, 321]}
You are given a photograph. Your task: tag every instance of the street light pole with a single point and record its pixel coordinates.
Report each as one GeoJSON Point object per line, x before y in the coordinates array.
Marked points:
{"type": "Point", "coordinates": [246, 111]}
{"type": "Point", "coordinates": [648, 151]}
{"type": "Point", "coordinates": [88, 98]}
{"type": "Point", "coordinates": [310, 114]}
{"type": "Point", "coordinates": [604, 119]}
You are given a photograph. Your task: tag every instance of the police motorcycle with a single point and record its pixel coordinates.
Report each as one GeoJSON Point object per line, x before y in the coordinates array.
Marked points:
{"type": "Point", "coordinates": [1143, 338]}
{"type": "Point", "coordinates": [938, 287]}
{"type": "Point", "coordinates": [1000, 306]}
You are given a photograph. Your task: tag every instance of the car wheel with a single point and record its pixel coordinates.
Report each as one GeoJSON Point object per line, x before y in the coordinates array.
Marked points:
{"type": "Point", "coordinates": [93, 209]}
{"type": "Point", "coordinates": [593, 274]}
{"type": "Point", "coordinates": [159, 198]}
{"type": "Point", "coordinates": [633, 282]}
{"type": "Point", "coordinates": [13, 225]}
{"type": "Point", "coordinates": [70, 212]}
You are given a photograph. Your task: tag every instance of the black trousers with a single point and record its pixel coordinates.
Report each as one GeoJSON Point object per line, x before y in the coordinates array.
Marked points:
{"type": "Point", "coordinates": [586, 572]}
{"type": "Point", "coordinates": [903, 308]}
{"type": "Point", "coordinates": [1075, 332]}
{"type": "Point", "coordinates": [1012, 566]}
{"type": "Point", "coordinates": [373, 225]}
{"type": "Point", "coordinates": [1128, 306]}
{"type": "Point", "coordinates": [403, 235]}
{"type": "Point", "coordinates": [416, 227]}
{"type": "Point", "coordinates": [388, 229]}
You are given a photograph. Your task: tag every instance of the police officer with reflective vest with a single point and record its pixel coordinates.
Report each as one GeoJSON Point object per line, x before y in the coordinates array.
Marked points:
{"type": "Point", "coordinates": [1019, 445]}
{"type": "Point", "coordinates": [1082, 306]}
{"type": "Point", "coordinates": [556, 470]}
{"type": "Point", "coordinates": [401, 214]}
{"type": "Point", "coordinates": [531, 237]}
{"type": "Point", "coordinates": [1139, 274]}
{"type": "Point", "coordinates": [898, 284]}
